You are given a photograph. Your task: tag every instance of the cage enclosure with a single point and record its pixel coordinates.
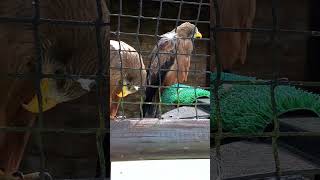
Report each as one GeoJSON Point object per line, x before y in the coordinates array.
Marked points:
{"type": "Point", "coordinates": [122, 80]}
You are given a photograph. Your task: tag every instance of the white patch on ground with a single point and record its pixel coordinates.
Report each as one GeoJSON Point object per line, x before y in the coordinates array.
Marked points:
{"type": "Point", "coordinates": [185, 169]}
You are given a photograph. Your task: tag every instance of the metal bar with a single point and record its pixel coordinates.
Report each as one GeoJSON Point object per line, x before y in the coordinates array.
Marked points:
{"type": "Point", "coordinates": [273, 85]}
{"type": "Point", "coordinates": [41, 21]}
{"type": "Point", "coordinates": [176, 51]}
{"type": "Point", "coordinates": [161, 19]}
{"type": "Point", "coordinates": [102, 93]}
{"type": "Point", "coordinates": [39, 59]}
{"type": "Point", "coordinates": [185, 2]}
{"type": "Point", "coordinates": [243, 82]}
{"type": "Point", "coordinates": [196, 23]}
{"type": "Point", "coordinates": [150, 35]}
{"type": "Point", "coordinates": [193, 54]}
{"type": "Point", "coordinates": [252, 30]}
{"type": "Point", "coordinates": [94, 131]}
{"type": "Point", "coordinates": [139, 53]}
{"type": "Point", "coordinates": [268, 30]}
{"type": "Point", "coordinates": [27, 20]}
{"type": "Point", "coordinates": [156, 36]}
{"type": "Point", "coordinates": [215, 22]}
{"type": "Point", "coordinates": [120, 55]}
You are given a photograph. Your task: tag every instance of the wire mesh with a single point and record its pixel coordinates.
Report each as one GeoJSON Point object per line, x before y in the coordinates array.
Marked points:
{"type": "Point", "coordinates": [144, 51]}
{"type": "Point", "coordinates": [103, 132]}
{"type": "Point", "coordinates": [102, 84]}
{"type": "Point", "coordinates": [217, 133]}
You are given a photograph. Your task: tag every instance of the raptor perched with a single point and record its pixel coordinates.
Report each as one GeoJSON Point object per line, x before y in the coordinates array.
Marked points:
{"type": "Point", "coordinates": [127, 75]}
{"type": "Point", "coordinates": [132, 77]}
{"type": "Point", "coordinates": [169, 62]}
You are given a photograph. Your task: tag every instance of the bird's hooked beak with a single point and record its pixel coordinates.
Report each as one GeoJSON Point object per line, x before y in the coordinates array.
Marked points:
{"type": "Point", "coordinates": [197, 35]}
{"type": "Point", "coordinates": [47, 102]}
{"type": "Point", "coordinates": [126, 90]}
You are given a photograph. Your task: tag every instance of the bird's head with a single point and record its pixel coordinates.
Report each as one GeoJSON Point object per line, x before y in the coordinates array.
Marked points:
{"type": "Point", "coordinates": [188, 30]}
{"type": "Point", "coordinates": [132, 82]}
{"type": "Point", "coordinates": [53, 90]}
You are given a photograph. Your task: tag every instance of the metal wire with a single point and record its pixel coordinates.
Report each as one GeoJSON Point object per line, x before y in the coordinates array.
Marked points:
{"type": "Point", "coordinates": [185, 2]}
{"type": "Point", "coordinates": [36, 16]}
{"type": "Point", "coordinates": [94, 131]}
{"type": "Point", "coordinates": [40, 21]}
{"type": "Point", "coordinates": [158, 53]}
{"type": "Point", "coordinates": [274, 32]}
{"type": "Point", "coordinates": [140, 55]}
{"type": "Point", "coordinates": [196, 23]}
{"type": "Point", "coordinates": [214, 9]}
{"type": "Point", "coordinates": [120, 54]}
{"type": "Point", "coordinates": [104, 120]}
{"type": "Point", "coordinates": [176, 52]}
{"type": "Point", "coordinates": [275, 65]}
{"type": "Point", "coordinates": [36, 21]}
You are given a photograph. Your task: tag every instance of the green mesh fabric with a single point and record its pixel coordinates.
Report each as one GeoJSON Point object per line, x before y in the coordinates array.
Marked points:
{"type": "Point", "coordinates": [187, 94]}
{"type": "Point", "coordinates": [247, 108]}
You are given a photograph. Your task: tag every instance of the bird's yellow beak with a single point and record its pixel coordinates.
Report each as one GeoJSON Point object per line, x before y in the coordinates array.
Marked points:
{"type": "Point", "coordinates": [47, 103]}
{"type": "Point", "coordinates": [124, 92]}
{"type": "Point", "coordinates": [197, 35]}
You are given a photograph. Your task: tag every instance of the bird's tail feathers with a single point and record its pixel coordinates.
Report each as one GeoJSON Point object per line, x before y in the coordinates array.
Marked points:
{"type": "Point", "coordinates": [150, 110]}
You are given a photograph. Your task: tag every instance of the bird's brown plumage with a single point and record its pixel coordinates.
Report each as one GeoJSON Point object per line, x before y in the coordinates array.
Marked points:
{"type": "Point", "coordinates": [173, 52]}
{"type": "Point", "coordinates": [69, 45]}
{"type": "Point", "coordinates": [232, 46]}
{"type": "Point", "coordinates": [131, 73]}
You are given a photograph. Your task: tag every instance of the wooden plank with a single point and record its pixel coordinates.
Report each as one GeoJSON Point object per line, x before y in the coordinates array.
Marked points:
{"type": "Point", "coordinates": [135, 139]}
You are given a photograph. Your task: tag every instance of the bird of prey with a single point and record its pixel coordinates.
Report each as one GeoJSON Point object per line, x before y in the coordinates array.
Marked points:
{"type": "Point", "coordinates": [130, 78]}
{"type": "Point", "coordinates": [127, 75]}
{"type": "Point", "coordinates": [169, 62]}
{"type": "Point", "coordinates": [69, 49]}
{"type": "Point", "coordinates": [232, 46]}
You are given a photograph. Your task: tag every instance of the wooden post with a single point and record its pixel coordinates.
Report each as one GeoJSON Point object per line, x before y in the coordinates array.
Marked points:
{"type": "Point", "coordinates": [135, 139]}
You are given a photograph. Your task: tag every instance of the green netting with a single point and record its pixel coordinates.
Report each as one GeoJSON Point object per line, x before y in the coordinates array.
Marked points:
{"type": "Point", "coordinates": [187, 94]}
{"type": "Point", "coordinates": [247, 108]}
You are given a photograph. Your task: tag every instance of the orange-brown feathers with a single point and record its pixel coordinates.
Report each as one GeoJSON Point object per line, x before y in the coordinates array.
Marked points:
{"type": "Point", "coordinates": [170, 61]}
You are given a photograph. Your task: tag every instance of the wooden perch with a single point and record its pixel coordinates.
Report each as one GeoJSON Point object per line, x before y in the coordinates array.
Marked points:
{"type": "Point", "coordinates": [135, 139]}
